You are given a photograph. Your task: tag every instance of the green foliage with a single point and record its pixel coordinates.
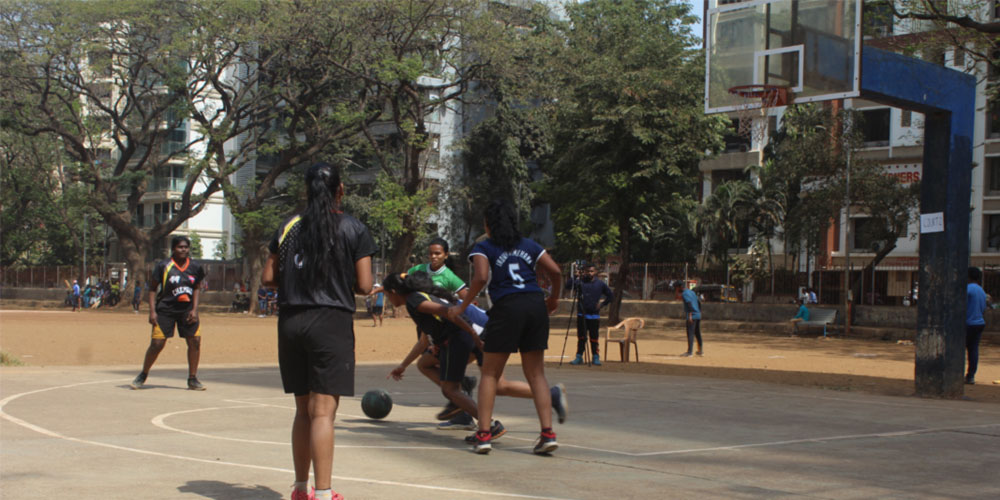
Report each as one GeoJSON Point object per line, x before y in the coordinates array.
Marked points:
{"type": "Point", "coordinates": [222, 248]}
{"type": "Point", "coordinates": [629, 125]}
{"type": "Point", "coordinates": [196, 250]}
{"type": "Point", "coordinates": [7, 359]}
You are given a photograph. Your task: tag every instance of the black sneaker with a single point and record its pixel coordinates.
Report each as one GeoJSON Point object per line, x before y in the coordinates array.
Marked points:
{"type": "Point", "coordinates": [483, 445]}
{"type": "Point", "coordinates": [970, 380]}
{"type": "Point", "coordinates": [138, 381]}
{"type": "Point", "coordinates": [461, 422]}
{"type": "Point", "coordinates": [194, 385]}
{"type": "Point", "coordinates": [545, 444]}
{"type": "Point", "coordinates": [496, 430]}
{"type": "Point", "coordinates": [686, 355]}
{"type": "Point", "coordinates": [450, 410]}
{"type": "Point", "coordinates": [559, 401]}
{"type": "Point", "coordinates": [468, 384]}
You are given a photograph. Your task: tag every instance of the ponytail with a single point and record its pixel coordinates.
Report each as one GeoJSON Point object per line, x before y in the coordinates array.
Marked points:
{"type": "Point", "coordinates": [318, 237]}
{"type": "Point", "coordinates": [501, 217]}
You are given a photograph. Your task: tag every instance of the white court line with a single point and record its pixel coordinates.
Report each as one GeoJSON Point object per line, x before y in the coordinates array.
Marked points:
{"type": "Point", "coordinates": [53, 434]}
{"type": "Point", "coordinates": [158, 421]}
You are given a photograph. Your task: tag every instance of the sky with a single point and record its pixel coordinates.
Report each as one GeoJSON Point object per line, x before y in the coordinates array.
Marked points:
{"type": "Point", "coordinates": [697, 6]}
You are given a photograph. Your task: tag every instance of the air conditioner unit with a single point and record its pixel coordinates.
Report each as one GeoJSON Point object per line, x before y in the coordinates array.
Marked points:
{"type": "Point", "coordinates": [177, 206]}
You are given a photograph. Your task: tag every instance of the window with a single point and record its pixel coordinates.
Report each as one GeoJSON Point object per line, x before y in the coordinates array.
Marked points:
{"type": "Point", "coordinates": [958, 58]}
{"type": "Point", "coordinates": [992, 233]}
{"type": "Point", "coordinates": [864, 234]}
{"type": "Point", "coordinates": [875, 127]}
{"type": "Point", "coordinates": [906, 118]}
{"type": "Point", "coordinates": [735, 143]}
{"type": "Point", "coordinates": [993, 176]}
{"type": "Point", "coordinates": [993, 120]}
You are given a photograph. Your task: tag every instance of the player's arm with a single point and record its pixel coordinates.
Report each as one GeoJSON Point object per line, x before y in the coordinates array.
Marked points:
{"type": "Point", "coordinates": [152, 301]}
{"type": "Point", "coordinates": [480, 270]}
{"type": "Point", "coordinates": [607, 293]}
{"type": "Point", "coordinates": [418, 348]}
{"type": "Point", "coordinates": [363, 270]}
{"type": "Point", "coordinates": [192, 316]}
{"type": "Point", "coordinates": [375, 290]}
{"type": "Point", "coordinates": [549, 267]}
{"type": "Point", "coordinates": [441, 310]}
{"type": "Point", "coordinates": [269, 276]}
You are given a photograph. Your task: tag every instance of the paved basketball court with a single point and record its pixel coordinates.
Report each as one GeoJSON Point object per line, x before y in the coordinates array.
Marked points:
{"type": "Point", "coordinates": [81, 430]}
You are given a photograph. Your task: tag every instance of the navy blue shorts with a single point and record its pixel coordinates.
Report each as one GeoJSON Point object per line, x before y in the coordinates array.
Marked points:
{"type": "Point", "coordinates": [518, 322]}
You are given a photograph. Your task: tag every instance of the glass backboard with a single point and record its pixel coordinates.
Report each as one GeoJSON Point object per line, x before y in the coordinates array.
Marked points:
{"type": "Point", "coordinates": [812, 47]}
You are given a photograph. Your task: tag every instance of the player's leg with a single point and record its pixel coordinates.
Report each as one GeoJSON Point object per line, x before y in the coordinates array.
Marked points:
{"type": "Point", "coordinates": [301, 454]}
{"type": "Point", "coordinates": [697, 336]}
{"type": "Point", "coordinates": [581, 340]}
{"type": "Point", "coordinates": [454, 358]}
{"type": "Point", "coordinates": [492, 370]}
{"type": "Point", "coordinates": [533, 365]}
{"type": "Point", "coordinates": [191, 333]}
{"type": "Point", "coordinates": [593, 329]}
{"type": "Point", "coordinates": [322, 411]}
{"type": "Point", "coordinates": [161, 331]}
{"type": "Point", "coordinates": [292, 363]}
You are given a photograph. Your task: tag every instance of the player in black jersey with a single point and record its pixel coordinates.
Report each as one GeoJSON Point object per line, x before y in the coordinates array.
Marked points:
{"type": "Point", "coordinates": [178, 280]}
{"type": "Point", "coordinates": [318, 261]}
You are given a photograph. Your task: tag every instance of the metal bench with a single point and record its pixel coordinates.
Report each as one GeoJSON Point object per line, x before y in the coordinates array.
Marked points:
{"type": "Point", "coordinates": [819, 317]}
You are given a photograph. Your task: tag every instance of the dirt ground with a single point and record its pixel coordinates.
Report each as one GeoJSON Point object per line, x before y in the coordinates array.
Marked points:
{"type": "Point", "coordinates": [114, 338]}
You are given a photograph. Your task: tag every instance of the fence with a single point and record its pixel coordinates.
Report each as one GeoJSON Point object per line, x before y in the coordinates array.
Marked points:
{"type": "Point", "coordinates": [221, 275]}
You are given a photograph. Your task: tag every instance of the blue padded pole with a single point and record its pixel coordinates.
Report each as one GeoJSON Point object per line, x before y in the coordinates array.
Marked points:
{"type": "Point", "coordinates": [947, 99]}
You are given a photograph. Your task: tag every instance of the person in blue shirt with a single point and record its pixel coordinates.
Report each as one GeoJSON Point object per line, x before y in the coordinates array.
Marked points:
{"type": "Point", "coordinates": [801, 315]}
{"type": "Point", "coordinates": [379, 293]}
{"type": "Point", "coordinates": [76, 296]}
{"type": "Point", "coordinates": [692, 314]}
{"type": "Point", "coordinates": [518, 320]}
{"type": "Point", "coordinates": [974, 321]}
{"type": "Point", "coordinates": [589, 290]}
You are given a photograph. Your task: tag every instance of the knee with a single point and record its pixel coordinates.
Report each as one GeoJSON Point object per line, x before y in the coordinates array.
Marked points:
{"type": "Point", "coordinates": [194, 343]}
{"type": "Point", "coordinates": [157, 345]}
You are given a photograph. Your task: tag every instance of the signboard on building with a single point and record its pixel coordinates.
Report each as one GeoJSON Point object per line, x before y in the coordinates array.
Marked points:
{"type": "Point", "coordinates": [905, 173]}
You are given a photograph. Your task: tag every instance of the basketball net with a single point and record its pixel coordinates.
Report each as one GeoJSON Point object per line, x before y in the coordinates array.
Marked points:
{"type": "Point", "coordinates": [755, 100]}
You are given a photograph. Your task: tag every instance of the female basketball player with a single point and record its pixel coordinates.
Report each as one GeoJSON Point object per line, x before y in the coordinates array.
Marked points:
{"type": "Point", "coordinates": [318, 260]}
{"type": "Point", "coordinates": [519, 318]}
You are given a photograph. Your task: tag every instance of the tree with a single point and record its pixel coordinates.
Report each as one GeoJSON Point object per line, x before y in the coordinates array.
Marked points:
{"type": "Point", "coordinates": [815, 152]}
{"type": "Point", "coordinates": [114, 83]}
{"type": "Point", "coordinates": [427, 56]}
{"type": "Point", "coordinates": [630, 127]}
{"type": "Point", "coordinates": [196, 250]}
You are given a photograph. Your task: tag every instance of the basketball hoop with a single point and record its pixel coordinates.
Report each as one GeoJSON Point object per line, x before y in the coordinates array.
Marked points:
{"type": "Point", "coordinates": [756, 99]}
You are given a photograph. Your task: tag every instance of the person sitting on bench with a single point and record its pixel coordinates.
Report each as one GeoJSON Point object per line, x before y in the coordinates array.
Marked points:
{"type": "Point", "coordinates": [801, 315]}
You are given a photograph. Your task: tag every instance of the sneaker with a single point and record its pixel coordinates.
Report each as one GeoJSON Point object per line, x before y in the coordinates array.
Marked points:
{"type": "Point", "coordinates": [597, 360]}
{"type": "Point", "coordinates": [545, 444]}
{"type": "Point", "coordinates": [970, 380]}
{"type": "Point", "coordinates": [482, 445]}
{"type": "Point", "coordinates": [194, 385]}
{"type": "Point", "coordinates": [461, 422]}
{"type": "Point", "coordinates": [559, 402]}
{"type": "Point", "coordinates": [496, 430]}
{"type": "Point", "coordinates": [138, 381]}
{"type": "Point", "coordinates": [686, 355]}
{"type": "Point", "coordinates": [303, 495]}
{"type": "Point", "coordinates": [700, 353]}
{"type": "Point", "coordinates": [468, 384]}
{"type": "Point", "coordinates": [577, 361]}
{"type": "Point", "coordinates": [450, 410]}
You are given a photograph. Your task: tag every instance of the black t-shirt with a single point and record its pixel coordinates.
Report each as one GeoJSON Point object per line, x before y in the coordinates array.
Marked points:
{"type": "Point", "coordinates": [176, 284]}
{"type": "Point", "coordinates": [439, 329]}
{"type": "Point", "coordinates": [354, 243]}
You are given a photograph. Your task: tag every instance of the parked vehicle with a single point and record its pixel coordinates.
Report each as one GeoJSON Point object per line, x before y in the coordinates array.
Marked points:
{"type": "Point", "coordinates": [717, 293]}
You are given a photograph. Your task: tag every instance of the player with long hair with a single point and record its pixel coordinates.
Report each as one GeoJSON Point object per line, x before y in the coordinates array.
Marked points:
{"type": "Point", "coordinates": [519, 318]}
{"type": "Point", "coordinates": [318, 260]}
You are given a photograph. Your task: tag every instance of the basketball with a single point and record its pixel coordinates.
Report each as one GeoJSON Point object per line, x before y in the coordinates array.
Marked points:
{"type": "Point", "coordinates": [376, 403]}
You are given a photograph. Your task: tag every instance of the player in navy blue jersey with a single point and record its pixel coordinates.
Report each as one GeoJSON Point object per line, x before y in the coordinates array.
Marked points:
{"type": "Point", "coordinates": [519, 318]}
{"type": "Point", "coordinates": [175, 305]}
{"type": "Point", "coordinates": [318, 261]}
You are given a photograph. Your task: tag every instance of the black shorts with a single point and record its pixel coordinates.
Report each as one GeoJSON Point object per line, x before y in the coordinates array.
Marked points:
{"type": "Point", "coordinates": [165, 322]}
{"type": "Point", "coordinates": [454, 356]}
{"type": "Point", "coordinates": [518, 322]}
{"type": "Point", "coordinates": [377, 310]}
{"type": "Point", "coordinates": [316, 351]}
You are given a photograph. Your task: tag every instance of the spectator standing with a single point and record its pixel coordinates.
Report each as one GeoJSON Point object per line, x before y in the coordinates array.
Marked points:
{"type": "Point", "coordinates": [261, 302]}
{"type": "Point", "coordinates": [137, 296]}
{"type": "Point", "coordinates": [692, 314]}
{"type": "Point", "coordinates": [974, 321]}
{"type": "Point", "coordinates": [379, 301]}
{"type": "Point", "coordinates": [76, 296]}
{"type": "Point", "coordinates": [589, 291]}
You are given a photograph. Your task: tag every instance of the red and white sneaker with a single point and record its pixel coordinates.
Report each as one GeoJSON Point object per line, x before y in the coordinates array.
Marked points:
{"type": "Point", "coordinates": [302, 495]}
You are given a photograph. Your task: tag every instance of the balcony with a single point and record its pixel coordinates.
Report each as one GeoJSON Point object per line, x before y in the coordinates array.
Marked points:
{"type": "Point", "coordinates": [149, 220]}
{"type": "Point", "coordinates": [166, 184]}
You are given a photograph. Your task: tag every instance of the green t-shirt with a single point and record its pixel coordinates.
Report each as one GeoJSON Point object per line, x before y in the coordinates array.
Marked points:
{"type": "Point", "coordinates": [443, 277]}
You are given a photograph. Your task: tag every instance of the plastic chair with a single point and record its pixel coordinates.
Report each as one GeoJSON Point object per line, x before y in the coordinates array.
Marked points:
{"type": "Point", "coordinates": [628, 329]}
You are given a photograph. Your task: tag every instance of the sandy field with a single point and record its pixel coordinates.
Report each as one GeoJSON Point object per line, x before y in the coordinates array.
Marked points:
{"type": "Point", "coordinates": [119, 338]}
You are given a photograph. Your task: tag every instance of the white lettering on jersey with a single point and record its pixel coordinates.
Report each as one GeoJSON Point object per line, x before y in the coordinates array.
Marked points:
{"type": "Point", "coordinates": [516, 253]}
{"type": "Point", "coordinates": [183, 290]}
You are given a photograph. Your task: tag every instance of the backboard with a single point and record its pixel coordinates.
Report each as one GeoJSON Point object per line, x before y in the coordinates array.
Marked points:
{"type": "Point", "coordinates": [812, 47]}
